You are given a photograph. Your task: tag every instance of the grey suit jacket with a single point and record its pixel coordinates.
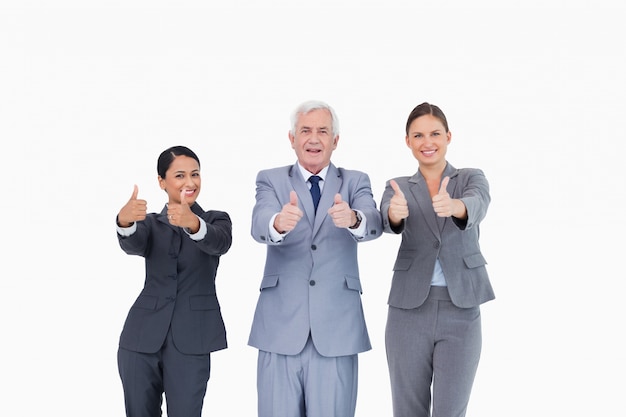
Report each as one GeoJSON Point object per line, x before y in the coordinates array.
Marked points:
{"type": "Point", "coordinates": [425, 236]}
{"type": "Point", "coordinates": [311, 282]}
{"type": "Point", "coordinates": [179, 287]}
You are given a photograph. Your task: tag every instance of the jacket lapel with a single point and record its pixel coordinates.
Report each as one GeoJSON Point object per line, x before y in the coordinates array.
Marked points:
{"type": "Point", "coordinates": [419, 190]}
{"type": "Point", "coordinates": [332, 184]}
{"type": "Point", "coordinates": [421, 195]}
{"type": "Point", "coordinates": [305, 201]}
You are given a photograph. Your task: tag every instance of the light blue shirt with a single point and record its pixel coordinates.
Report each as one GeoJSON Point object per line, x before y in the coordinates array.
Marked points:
{"type": "Point", "coordinates": [438, 279]}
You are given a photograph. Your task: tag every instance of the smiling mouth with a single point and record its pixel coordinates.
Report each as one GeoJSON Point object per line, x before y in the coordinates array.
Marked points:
{"type": "Point", "coordinates": [429, 153]}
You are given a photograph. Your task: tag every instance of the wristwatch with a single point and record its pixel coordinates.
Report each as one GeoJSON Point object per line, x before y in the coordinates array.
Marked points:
{"type": "Point", "coordinates": [358, 220]}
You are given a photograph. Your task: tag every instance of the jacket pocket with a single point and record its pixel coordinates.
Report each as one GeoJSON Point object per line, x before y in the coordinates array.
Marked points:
{"type": "Point", "coordinates": [474, 261]}
{"type": "Point", "coordinates": [403, 263]}
{"type": "Point", "coordinates": [354, 283]}
{"type": "Point", "coordinates": [269, 281]}
{"type": "Point", "coordinates": [203, 302]}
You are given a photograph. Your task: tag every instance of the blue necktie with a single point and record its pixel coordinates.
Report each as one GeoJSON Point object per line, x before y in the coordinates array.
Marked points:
{"type": "Point", "coordinates": [315, 190]}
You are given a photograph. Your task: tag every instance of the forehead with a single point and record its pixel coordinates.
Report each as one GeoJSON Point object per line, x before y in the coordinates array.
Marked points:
{"type": "Point", "coordinates": [315, 118]}
{"type": "Point", "coordinates": [427, 122]}
{"type": "Point", "coordinates": [184, 163]}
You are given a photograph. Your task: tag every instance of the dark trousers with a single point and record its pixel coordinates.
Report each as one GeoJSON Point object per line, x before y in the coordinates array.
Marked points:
{"type": "Point", "coordinates": [147, 376]}
{"type": "Point", "coordinates": [433, 353]}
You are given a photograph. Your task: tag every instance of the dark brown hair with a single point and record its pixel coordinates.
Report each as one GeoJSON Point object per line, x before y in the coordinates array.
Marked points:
{"type": "Point", "coordinates": [424, 109]}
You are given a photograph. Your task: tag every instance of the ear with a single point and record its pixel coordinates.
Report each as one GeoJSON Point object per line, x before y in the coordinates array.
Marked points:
{"type": "Point", "coordinates": [449, 134]}
{"type": "Point", "coordinates": [408, 142]}
{"type": "Point", "coordinates": [292, 138]}
{"type": "Point", "coordinates": [161, 182]}
{"type": "Point", "coordinates": [335, 141]}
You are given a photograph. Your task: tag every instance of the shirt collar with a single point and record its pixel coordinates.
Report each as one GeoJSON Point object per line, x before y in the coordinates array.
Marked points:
{"type": "Point", "coordinates": [306, 174]}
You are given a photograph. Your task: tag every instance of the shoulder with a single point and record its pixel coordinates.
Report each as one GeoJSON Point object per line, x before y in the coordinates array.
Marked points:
{"type": "Point", "coordinates": [209, 215]}
{"type": "Point", "coordinates": [467, 173]}
{"type": "Point", "coordinates": [351, 173]}
{"type": "Point", "coordinates": [272, 172]}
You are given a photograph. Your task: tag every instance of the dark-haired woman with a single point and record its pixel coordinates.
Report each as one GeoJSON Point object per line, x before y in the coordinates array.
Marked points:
{"type": "Point", "coordinates": [433, 332]}
{"type": "Point", "coordinates": [176, 322]}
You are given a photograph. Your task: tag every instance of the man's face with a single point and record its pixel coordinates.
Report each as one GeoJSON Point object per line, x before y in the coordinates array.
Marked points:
{"type": "Point", "coordinates": [313, 140]}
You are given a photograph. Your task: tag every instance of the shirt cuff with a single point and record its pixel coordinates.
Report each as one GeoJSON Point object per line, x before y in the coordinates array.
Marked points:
{"type": "Point", "coordinates": [359, 232]}
{"type": "Point", "coordinates": [127, 231]}
{"type": "Point", "coordinates": [200, 234]}
{"type": "Point", "coordinates": [275, 237]}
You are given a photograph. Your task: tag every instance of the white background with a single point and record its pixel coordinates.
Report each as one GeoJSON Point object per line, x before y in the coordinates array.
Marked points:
{"type": "Point", "coordinates": [92, 91]}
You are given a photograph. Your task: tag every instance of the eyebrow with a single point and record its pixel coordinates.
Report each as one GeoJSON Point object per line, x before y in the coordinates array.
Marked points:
{"type": "Point", "coordinates": [310, 128]}
{"type": "Point", "coordinates": [182, 172]}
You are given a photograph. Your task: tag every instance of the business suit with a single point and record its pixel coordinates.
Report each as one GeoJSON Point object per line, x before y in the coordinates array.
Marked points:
{"type": "Point", "coordinates": [412, 300]}
{"type": "Point", "coordinates": [311, 285]}
{"type": "Point", "coordinates": [176, 312]}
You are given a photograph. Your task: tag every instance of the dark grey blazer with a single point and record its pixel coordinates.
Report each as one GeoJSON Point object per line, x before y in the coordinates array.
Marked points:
{"type": "Point", "coordinates": [425, 236]}
{"type": "Point", "coordinates": [179, 287]}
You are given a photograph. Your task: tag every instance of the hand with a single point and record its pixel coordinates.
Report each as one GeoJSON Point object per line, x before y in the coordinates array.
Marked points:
{"type": "Point", "coordinates": [181, 214]}
{"type": "Point", "coordinates": [341, 213]}
{"type": "Point", "coordinates": [133, 211]}
{"type": "Point", "coordinates": [398, 206]}
{"type": "Point", "coordinates": [442, 203]}
{"type": "Point", "coordinates": [289, 216]}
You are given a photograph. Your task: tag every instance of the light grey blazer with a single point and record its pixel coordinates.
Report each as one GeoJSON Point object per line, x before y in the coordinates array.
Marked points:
{"type": "Point", "coordinates": [425, 236]}
{"type": "Point", "coordinates": [311, 281]}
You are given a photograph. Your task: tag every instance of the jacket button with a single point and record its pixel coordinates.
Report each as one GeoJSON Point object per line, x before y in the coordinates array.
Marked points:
{"type": "Point", "coordinates": [436, 245]}
{"type": "Point", "coordinates": [312, 283]}
{"type": "Point", "coordinates": [313, 247]}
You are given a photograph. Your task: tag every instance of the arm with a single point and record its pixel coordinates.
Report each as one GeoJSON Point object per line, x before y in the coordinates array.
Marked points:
{"type": "Point", "coordinates": [270, 212]}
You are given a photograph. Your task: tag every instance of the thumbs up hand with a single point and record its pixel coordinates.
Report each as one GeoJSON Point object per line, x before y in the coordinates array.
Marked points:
{"type": "Point", "coordinates": [181, 214]}
{"type": "Point", "coordinates": [398, 206]}
{"type": "Point", "coordinates": [133, 211]}
{"type": "Point", "coordinates": [341, 213]}
{"type": "Point", "coordinates": [443, 205]}
{"type": "Point", "coordinates": [289, 216]}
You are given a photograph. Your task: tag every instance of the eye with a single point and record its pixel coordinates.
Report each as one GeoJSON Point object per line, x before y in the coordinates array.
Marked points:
{"type": "Point", "coordinates": [436, 133]}
{"type": "Point", "coordinates": [195, 174]}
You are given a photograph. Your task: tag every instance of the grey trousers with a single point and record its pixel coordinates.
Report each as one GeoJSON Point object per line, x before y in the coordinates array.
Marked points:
{"type": "Point", "coordinates": [435, 344]}
{"type": "Point", "coordinates": [307, 384]}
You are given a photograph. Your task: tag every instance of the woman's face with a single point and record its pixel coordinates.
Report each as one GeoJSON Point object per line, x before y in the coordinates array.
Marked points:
{"type": "Point", "coordinates": [428, 141]}
{"type": "Point", "coordinates": [183, 176]}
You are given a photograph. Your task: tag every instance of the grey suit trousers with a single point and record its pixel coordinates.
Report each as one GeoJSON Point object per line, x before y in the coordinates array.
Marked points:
{"type": "Point", "coordinates": [436, 343]}
{"type": "Point", "coordinates": [306, 384]}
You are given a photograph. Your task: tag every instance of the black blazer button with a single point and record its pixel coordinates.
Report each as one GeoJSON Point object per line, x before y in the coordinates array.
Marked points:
{"type": "Point", "coordinates": [436, 245]}
{"type": "Point", "coordinates": [312, 283]}
{"type": "Point", "coordinates": [313, 247]}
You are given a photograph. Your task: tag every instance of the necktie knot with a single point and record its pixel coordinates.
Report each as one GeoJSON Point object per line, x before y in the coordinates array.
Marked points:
{"type": "Point", "coordinates": [315, 190]}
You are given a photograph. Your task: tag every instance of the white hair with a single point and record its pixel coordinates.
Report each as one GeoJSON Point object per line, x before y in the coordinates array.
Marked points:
{"type": "Point", "coordinates": [309, 106]}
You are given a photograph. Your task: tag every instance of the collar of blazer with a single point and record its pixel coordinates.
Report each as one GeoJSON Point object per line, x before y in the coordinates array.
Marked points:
{"type": "Point", "coordinates": [332, 184]}
{"type": "Point", "coordinates": [421, 195]}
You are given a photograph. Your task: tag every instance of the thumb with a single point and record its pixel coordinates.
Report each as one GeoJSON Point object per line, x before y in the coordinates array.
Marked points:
{"type": "Point", "coordinates": [444, 185]}
{"type": "Point", "coordinates": [396, 188]}
{"type": "Point", "coordinates": [183, 199]}
{"type": "Point", "coordinates": [293, 198]}
{"type": "Point", "coordinates": [338, 199]}
{"type": "Point", "coordinates": [135, 192]}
